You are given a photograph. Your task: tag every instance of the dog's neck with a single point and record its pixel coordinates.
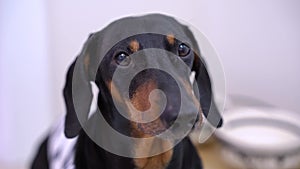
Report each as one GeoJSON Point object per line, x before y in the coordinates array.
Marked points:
{"type": "Point", "coordinates": [90, 155]}
{"type": "Point", "coordinates": [160, 161]}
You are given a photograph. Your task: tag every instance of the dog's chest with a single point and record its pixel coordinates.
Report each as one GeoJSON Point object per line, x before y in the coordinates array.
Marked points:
{"type": "Point", "coordinates": [61, 151]}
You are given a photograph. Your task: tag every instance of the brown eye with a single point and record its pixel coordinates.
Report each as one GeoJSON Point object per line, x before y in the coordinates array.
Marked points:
{"type": "Point", "coordinates": [183, 50]}
{"type": "Point", "coordinates": [122, 59]}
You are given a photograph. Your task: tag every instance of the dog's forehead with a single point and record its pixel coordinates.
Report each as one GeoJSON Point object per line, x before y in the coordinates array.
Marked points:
{"type": "Point", "coordinates": [131, 26]}
{"type": "Point", "coordinates": [155, 23]}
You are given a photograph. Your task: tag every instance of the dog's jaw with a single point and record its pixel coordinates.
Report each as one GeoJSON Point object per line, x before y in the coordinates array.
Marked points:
{"type": "Point", "coordinates": [160, 161]}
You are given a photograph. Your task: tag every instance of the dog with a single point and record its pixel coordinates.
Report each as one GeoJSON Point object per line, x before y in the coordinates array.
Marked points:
{"type": "Point", "coordinates": [163, 52]}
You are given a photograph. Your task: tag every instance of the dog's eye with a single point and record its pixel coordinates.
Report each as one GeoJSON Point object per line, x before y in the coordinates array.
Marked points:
{"type": "Point", "coordinates": [122, 59]}
{"type": "Point", "coordinates": [183, 50]}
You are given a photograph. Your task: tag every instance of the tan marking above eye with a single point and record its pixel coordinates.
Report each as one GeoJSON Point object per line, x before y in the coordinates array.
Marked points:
{"type": "Point", "coordinates": [171, 39]}
{"type": "Point", "coordinates": [134, 46]}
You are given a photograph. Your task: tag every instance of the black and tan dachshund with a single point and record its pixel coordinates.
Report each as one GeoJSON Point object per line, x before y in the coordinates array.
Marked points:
{"type": "Point", "coordinates": [151, 45]}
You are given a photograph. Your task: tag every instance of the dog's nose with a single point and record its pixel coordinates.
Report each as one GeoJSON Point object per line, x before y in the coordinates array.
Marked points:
{"type": "Point", "coordinates": [171, 108]}
{"type": "Point", "coordinates": [171, 113]}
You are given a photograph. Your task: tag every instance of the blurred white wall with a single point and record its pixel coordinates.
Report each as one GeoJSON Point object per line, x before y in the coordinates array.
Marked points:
{"type": "Point", "coordinates": [257, 41]}
{"type": "Point", "coordinates": [25, 101]}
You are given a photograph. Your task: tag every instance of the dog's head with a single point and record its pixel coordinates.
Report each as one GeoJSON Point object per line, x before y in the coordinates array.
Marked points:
{"type": "Point", "coordinates": [129, 60]}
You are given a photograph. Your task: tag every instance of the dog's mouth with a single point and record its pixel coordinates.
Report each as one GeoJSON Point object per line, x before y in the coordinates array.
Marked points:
{"type": "Point", "coordinates": [152, 128]}
{"type": "Point", "coordinates": [158, 126]}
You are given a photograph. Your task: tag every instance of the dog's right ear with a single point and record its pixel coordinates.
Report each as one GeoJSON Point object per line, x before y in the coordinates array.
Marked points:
{"type": "Point", "coordinates": [77, 91]}
{"type": "Point", "coordinates": [203, 81]}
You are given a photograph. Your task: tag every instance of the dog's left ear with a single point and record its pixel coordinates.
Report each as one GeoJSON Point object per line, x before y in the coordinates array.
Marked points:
{"type": "Point", "coordinates": [77, 91]}
{"type": "Point", "coordinates": [203, 81]}
{"type": "Point", "coordinates": [205, 93]}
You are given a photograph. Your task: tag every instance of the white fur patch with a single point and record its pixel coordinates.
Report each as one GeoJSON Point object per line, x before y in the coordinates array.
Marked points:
{"type": "Point", "coordinates": [61, 150]}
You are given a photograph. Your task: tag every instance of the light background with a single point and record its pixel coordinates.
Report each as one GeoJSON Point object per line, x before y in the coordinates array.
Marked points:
{"type": "Point", "coordinates": [258, 43]}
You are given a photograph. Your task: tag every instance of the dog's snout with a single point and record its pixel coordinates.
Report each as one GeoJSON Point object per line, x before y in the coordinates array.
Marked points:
{"type": "Point", "coordinates": [170, 114]}
{"type": "Point", "coordinates": [170, 108]}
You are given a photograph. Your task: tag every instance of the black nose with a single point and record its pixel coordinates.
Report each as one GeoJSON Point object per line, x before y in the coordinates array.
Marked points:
{"type": "Point", "coordinates": [170, 114]}
{"type": "Point", "coordinates": [170, 108]}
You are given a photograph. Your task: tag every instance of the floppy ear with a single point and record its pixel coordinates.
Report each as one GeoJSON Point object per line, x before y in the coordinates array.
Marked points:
{"type": "Point", "coordinates": [202, 79]}
{"type": "Point", "coordinates": [77, 92]}
{"type": "Point", "coordinates": [205, 93]}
